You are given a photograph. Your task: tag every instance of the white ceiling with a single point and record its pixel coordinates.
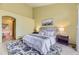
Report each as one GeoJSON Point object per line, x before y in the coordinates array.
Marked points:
{"type": "Point", "coordinates": [38, 4]}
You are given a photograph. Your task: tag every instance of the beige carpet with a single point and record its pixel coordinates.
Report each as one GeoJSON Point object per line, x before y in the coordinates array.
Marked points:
{"type": "Point", "coordinates": [65, 49]}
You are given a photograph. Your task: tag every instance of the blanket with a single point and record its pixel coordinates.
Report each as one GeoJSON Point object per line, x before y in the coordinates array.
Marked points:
{"type": "Point", "coordinates": [40, 43]}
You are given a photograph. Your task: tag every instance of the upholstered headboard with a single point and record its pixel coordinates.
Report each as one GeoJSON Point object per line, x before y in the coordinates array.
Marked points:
{"type": "Point", "coordinates": [48, 28]}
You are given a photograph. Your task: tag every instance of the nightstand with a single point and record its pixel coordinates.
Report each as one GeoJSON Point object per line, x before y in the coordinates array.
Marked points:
{"type": "Point", "coordinates": [62, 39]}
{"type": "Point", "coordinates": [35, 32]}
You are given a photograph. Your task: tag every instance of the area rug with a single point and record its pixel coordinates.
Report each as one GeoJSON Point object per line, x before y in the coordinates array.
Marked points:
{"type": "Point", "coordinates": [19, 48]}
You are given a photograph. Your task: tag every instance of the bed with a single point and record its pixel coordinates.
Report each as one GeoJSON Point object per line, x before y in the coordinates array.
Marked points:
{"type": "Point", "coordinates": [42, 41]}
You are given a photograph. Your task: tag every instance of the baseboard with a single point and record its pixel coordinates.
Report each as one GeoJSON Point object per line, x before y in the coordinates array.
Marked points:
{"type": "Point", "coordinates": [72, 45]}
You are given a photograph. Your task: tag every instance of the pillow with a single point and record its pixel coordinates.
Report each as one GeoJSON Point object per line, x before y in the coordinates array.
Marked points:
{"type": "Point", "coordinates": [41, 33]}
{"type": "Point", "coordinates": [48, 31]}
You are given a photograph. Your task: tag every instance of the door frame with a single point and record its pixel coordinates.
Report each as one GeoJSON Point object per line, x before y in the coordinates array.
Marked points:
{"type": "Point", "coordinates": [14, 27]}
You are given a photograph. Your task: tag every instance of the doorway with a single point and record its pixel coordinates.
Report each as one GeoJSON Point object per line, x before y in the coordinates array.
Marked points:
{"type": "Point", "coordinates": [8, 28]}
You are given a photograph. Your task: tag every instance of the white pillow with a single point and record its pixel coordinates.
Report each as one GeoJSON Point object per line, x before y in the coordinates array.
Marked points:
{"type": "Point", "coordinates": [41, 33]}
{"type": "Point", "coordinates": [47, 33]}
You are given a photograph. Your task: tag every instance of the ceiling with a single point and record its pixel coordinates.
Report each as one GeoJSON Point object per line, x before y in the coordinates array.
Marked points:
{"type": "Point", "coordinates": [38, 4]}
{"type": "Point", "coordinates": [29, 4]}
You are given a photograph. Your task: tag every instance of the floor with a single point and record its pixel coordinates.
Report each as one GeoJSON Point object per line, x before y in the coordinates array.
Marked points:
{"type": "Point", "coordinates": [65, 49]}
{"type": "Point", "coordinates": [3, 50]}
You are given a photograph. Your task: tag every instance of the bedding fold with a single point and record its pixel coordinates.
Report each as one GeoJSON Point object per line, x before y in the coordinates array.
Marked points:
{"type": "Point", "coordinates": [40, 43]}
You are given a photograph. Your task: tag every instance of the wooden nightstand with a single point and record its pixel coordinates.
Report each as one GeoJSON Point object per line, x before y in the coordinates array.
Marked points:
{"type": "Point", "coordinates": [62, 39]}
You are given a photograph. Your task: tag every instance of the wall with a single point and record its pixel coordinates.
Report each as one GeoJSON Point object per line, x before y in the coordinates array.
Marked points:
{"type": "Point", "coordinates": [18, 8]}
{"type": "Point", "coordinates": [64, 15]}
{"type": "Point", "coordinates": [77, 41]}
{"type": "Point", "coordinates": [24, 25]}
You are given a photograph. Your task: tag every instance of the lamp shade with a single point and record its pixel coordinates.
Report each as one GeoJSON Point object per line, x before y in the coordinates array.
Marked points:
{"type": "Point", "coordinates": [61, 29]}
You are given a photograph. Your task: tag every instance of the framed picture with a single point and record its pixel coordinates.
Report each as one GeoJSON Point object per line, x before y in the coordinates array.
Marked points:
{"type": "Point", "coordinates": [46, 22]}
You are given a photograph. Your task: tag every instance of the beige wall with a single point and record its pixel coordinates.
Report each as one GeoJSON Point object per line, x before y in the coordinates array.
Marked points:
{"type": "Point", "coordinates": [24, 25]}
{"type": "Point", "coordinates": [77, 41]}
{"type": "Point", "coordinates": [63, 14]}
{"type": "Point", "coordinates": [20, 8]}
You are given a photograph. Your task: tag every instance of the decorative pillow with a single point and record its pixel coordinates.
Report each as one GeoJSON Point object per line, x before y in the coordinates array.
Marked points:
{"type": "Point", "coordinates": [47, 31]}
{"type": "Point", "coordinates": [42, 33]}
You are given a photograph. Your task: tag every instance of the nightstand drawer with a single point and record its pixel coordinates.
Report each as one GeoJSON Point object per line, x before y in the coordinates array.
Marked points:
{"type": "Point", "coordinates": [62, 39]}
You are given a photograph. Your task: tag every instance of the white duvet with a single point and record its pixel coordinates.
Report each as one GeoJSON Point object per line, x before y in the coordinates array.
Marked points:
{"type": "Point", "coordinates": [40, 43]}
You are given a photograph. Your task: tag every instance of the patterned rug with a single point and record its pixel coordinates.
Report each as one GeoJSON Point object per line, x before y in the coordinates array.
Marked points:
{"type": "Point", "coordinates": [19, 48]}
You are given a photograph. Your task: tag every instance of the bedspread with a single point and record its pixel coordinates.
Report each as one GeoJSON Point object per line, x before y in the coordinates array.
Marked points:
{"type": "Point", "coordinates": [40, 43]}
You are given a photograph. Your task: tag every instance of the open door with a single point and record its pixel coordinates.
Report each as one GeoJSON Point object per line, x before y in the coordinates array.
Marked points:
{"type": "Point", "coordinates": [8, 28]}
